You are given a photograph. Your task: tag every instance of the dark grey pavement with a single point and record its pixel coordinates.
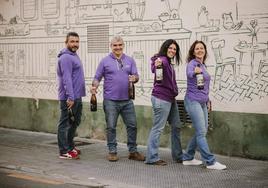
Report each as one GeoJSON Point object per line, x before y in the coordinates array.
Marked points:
{"type": "Point", "coordinates": [35, 155]}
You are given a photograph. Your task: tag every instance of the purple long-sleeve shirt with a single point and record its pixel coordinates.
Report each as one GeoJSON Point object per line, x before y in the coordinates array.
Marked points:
{"type": "Point", "coordinates": [167, 89]}
{"type": "Point", "coordinates": [192, 92]}
{"type": "Point", "coordinates": [115, 77]}
{"type": "Point", "coordinates": [71, 81]}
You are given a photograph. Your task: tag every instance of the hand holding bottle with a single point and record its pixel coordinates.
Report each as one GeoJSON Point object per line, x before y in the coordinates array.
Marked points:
{"type": "Point", "coordinates": [93, 90]}
{"type": "Point", "coordinates": [70, 103]}
{"type": "Point", "coordinates": [157, 62]}
{"type": "Point", "coordinates": [197, 70]}
{"type": "Point", "coordinates": [132, 78]}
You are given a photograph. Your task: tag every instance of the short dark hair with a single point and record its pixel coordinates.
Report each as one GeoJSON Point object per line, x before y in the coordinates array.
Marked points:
{"type": "Point", "coordinates": [74, 34]}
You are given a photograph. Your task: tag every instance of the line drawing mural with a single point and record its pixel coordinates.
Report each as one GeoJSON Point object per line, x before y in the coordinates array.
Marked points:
{"type": "Point", "coordinates": [221, 62]}
{"type": "Point", "coordinates": [33, 31]}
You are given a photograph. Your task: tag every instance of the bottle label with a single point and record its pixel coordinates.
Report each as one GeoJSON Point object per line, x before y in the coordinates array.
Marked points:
{"type": "Point", "coordinates": [159, 74]}
{"type": "Point", "coordinates": [200, 80]}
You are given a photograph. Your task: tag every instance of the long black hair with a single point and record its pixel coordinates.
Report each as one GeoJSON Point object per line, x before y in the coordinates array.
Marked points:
{"type": "Point", "coordinates": [191, 51]}
{"type": "Point", "coordinates": [164, 48]}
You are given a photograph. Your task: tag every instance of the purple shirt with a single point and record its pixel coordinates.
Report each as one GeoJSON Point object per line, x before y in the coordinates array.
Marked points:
{"type": "Point", "coordinates": [193, 93]}
{"type": "Point", "coordinates": [70, 76]}
{"type": "Point", "coordinates": [115, 78]}
{"type": "Point", "coordinates": [167, 89]}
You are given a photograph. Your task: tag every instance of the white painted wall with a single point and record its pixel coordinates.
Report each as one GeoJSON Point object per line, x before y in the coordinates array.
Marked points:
{"type": "Point", "coordinates": [32, 32]}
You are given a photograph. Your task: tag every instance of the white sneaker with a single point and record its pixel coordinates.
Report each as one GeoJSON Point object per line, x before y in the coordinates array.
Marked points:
{"type": "Point", "coordinates": [193, 162]}
{"type": "Point", "coordinates": [217, 166]}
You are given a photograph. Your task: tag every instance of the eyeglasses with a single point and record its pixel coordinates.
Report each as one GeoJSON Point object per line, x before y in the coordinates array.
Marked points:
{"type": "Point", "coordinates": [120, 62]}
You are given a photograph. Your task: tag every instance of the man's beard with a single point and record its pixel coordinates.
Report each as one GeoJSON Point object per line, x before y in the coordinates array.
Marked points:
{"type": "Point", "coordinates": [73, 49]}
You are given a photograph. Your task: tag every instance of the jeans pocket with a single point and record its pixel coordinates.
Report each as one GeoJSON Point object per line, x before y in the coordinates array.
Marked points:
{"type": "Point", "coordinates": [156, 102]}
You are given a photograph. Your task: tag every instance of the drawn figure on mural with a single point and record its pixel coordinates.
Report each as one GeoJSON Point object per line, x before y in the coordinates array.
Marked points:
{"type": "Point", "coordinates": [254, 31]}
{"type": "Point", "coordinates": [203, 17]}
{"type": "Point", "coordinates": [165, 108]}
{"type": "Point", "coordinates": [118, 15]}
{"type": "Point", "coordinates": [11, 62]}
{"type": "Point", "coordinates": [71, 89]}
{"type": "Point", "coordinates": [171, 19]}
{"type": "Point", "coordinates": [2, 19]}
{"type": "Point", "coordinates": [228, 22]}
{"type": "Point", "coordinates": [197, 104]}
{"type": "Point", "coordinates": [136, 9]}
{"type": "Point", "coordinates": [118, 69]}
{"type": "Point", "coordinates": [20, 69]}
{"type": "Point", "coordinates": [2, 67]}
{"type": "Point", "coordinates": [14, 20]}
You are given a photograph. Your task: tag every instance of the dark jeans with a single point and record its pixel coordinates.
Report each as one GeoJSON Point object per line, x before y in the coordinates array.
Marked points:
{"type": "Point", "coordinates": [67, 127]}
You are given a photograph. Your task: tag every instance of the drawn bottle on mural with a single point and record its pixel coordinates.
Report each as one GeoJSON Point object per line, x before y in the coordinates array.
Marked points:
{"type": "Point", "coordinates": [203, 17]}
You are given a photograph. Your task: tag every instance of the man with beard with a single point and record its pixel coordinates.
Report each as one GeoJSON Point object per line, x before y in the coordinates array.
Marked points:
{"type": "Point", "coordinates": [71, 89]}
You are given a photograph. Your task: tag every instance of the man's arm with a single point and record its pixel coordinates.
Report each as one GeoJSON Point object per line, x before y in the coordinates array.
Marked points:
{"type": "Point", "coordinates": [66, 70]}
{"type": "Point", "coordinates": [134, 77]}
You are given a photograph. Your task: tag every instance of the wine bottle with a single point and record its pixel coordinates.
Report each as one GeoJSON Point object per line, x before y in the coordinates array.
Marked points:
{"type": "Point", "coordinates": [200, 80]}
{"type": "Point", "coordinates": [71, 116]}
{"type": "Point", "coordinates": [131, 90]}
{"type": "Point", "coordinates": [159, 72]}
{"type": "Point", "coordinates": [93, 103]}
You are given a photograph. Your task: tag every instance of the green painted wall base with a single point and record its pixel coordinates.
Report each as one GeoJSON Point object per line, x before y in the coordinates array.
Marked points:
{"type": "Point", "coordinates": [232, 134]}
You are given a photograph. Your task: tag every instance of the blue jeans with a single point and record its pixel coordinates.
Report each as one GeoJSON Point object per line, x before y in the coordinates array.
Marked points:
{"type": "Point", "coordinates": [199, 115]}
{"type": "Point", "coordinates": [66, 127]}
{"type": "Point", "coordinates": [112, 110]}
{"type": "Point", "coordinates": [164, 111]}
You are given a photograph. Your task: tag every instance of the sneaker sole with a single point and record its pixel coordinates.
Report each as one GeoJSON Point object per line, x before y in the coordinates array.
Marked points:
{"type": "Point", "coordinates": [158, 163]}
{"type": "Point", "coordinates": [217, 168]}
{"type": "Point", "coordinates": [68, 158]}
{"type": "Point", "coordinates": [191, 164]}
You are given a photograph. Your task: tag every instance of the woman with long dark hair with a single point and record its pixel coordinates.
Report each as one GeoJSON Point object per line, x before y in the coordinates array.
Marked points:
{"type": "Point", "coordinates": [164, 103]}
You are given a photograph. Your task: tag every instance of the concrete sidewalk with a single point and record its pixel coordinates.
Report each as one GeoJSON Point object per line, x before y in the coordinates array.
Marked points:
{"type": "Point", "coordinates": [37, 154]}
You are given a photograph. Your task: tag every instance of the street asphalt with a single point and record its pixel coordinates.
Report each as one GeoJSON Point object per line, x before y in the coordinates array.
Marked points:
{"type": "Point", "coordinates": [34, 155]}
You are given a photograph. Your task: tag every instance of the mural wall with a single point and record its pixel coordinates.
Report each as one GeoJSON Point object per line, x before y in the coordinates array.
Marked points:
{"type": "Point", "coordinates": [32, 32]}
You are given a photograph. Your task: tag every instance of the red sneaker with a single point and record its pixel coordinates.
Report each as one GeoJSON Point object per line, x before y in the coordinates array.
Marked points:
{"type": "Point", "coordinates": [77, 151]}
{"type": "Point", "coordinates": [69, 155]}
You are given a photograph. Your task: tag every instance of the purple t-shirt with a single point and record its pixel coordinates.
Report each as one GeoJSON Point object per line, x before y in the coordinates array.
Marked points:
{"type": "Point", "coordinates": [115, 76]}
{"type": "Point", "coordinates": [192, 92]}
{"type": "Point", "coordinates": [167, 89]}
{"type": "Point", "coordinates": [70, 76]}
